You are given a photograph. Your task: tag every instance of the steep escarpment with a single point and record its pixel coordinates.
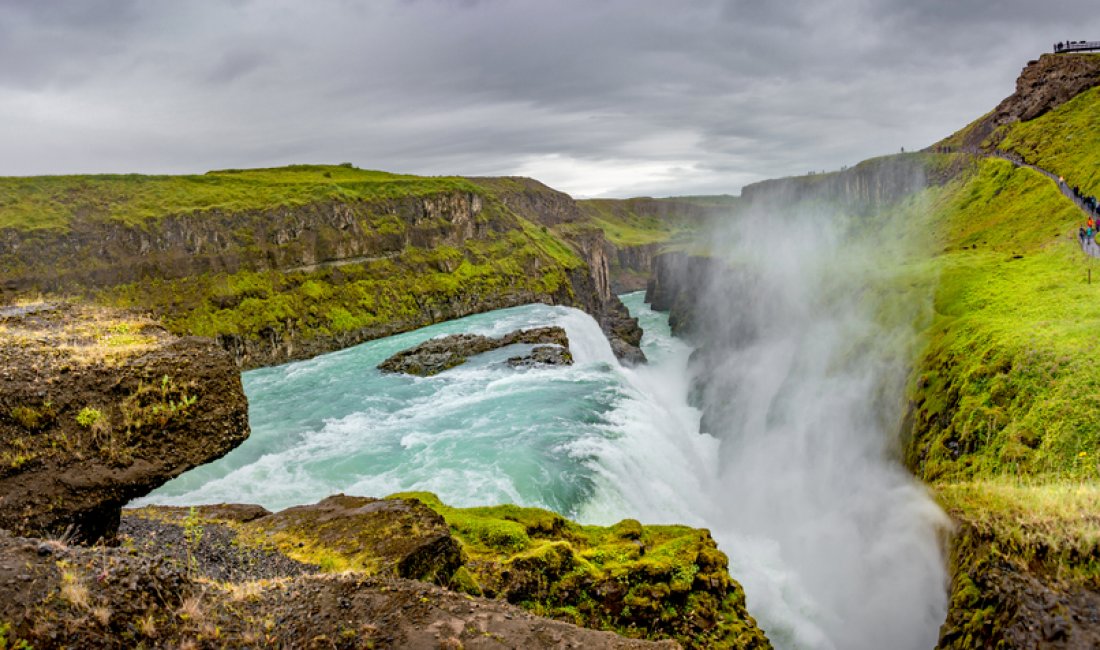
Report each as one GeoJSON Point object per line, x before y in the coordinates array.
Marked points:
{"type": "Point", "coordinates": [1044, 85]}
{"type": "Point", "coordinates": [99, 407]}
{"type": "Point", "coordinates": [866, 186]}
{"type": "Point", "coordinates": [1024, 566]}
{"type": "Point", "coordinates": [289, 263]}
{"type": "Point", "coordinates": [638, 229]}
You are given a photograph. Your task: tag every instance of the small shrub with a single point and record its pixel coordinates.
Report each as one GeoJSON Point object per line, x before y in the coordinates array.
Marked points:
{"type": "Point", "coordinates": [89, 417]}
{"type": "Point", "coordinates": [28, 417]}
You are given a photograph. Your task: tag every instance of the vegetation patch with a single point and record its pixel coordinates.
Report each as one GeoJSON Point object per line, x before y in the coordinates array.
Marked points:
{"type": "Point", "coordinates": [54, 202]}
{"type": "Point", "coordinates": [1065, 141]}
{"type": "Point", "coordinates": [1007, 383]}
{"type": "Point", "coordinates": [641, 581]}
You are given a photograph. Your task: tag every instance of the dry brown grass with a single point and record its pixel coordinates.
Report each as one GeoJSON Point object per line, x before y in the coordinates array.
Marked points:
{"type": "Point", "coordinates": [246, 591]}
{"type": "Point", "coordinates": [74, 592]}
{"type": "Point", "coordinates": [102, 614]}
{"type": "Point", "coordinates": [86, 334]}
{"type": "Point", "coordinates": [191, 609]}
{"type": "Point", "coordinates": [148, 626]}
{"type": "Point", "coordinates": [1056, 519]}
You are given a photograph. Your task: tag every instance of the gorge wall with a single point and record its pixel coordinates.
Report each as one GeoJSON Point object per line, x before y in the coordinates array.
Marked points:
{"type": "Point", "coordinates": [287, 282]}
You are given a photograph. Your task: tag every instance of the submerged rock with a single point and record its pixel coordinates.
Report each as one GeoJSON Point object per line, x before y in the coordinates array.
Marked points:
{"type": "Point", "coordinates": [436, 355]}
{"type": "Point", "coordinates": [98, 407]}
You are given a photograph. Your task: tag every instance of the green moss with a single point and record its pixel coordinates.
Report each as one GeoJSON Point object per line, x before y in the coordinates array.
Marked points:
{"type": "Point", "coordinates": [642, 581]}
{"type": "Point", "coordinates": [1006, 384]}
{"type": "Point", "coordinates": [410, 289]}
{"type": "Point", "coordinates": [1065, 141]}
{"type": "Point", "coordinates": [54, 202]}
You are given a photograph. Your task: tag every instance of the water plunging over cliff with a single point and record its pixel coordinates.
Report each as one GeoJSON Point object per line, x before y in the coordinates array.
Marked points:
{"type": "Point", "coordinates": [835, 547]}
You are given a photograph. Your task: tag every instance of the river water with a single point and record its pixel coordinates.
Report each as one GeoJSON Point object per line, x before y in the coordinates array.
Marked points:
{"type": "Point", "coordinates": [596, 442]}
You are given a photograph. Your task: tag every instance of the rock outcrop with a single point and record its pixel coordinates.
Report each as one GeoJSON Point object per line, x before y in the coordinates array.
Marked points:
{"type": "Point", "coordinates": [544, 355]}
{"type": "Point", "coordinates": [869, 184]}
{"type": "Point", "coordinates": [436, 355]}
{"type": "Point", "coordinates": [295, 279]}
{"type": "Point", "coordinates": [98, 407]}
{"type": "Point", "coordinates": [1043, 85]}
{"type": "Point", "coordinates": [53, 595]}
{"type": "Point", "coordinates": [999, 598]}
{"type": "Point", "coordinates": [656, 582]}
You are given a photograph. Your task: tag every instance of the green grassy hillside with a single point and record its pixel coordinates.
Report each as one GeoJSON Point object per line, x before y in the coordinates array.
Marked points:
{"type": "Point", "coordinates": [53, 202]}
{"type": "Point", "coordinates": [1009, 383]}
{"type": "Point", "coordinates": [640, 221]}
{"type": "Point", "coordinates": [1065, 141]}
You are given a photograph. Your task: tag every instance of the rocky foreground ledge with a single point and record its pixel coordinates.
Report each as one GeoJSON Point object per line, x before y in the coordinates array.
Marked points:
{"type": "Point", "coordinates": [98, 407]}
{"type": "Point", "coordinates": [354, 572]}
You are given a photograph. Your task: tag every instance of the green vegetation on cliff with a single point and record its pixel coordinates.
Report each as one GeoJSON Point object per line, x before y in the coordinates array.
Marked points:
{"type": "Point", "coordinates": [640, 221]}
{"type": "Point", "coordinates": [54, 202]}
{"type": "Point", "coordinates": [413, 288]}
{"type": "Point", "coordinates": [641, 581]}
{"type": "Point", "coordinates": [1065, 141]}
{"type": "Point", "coordinates": [1008, 384]}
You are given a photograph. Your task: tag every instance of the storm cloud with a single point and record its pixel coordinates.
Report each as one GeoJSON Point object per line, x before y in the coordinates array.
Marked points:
{"type": "Point", "coordinates": [608, 97]}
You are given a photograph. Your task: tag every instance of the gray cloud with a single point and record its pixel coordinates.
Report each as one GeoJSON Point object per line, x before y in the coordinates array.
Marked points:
{"type": "Point", "coordinates": [613, 97]}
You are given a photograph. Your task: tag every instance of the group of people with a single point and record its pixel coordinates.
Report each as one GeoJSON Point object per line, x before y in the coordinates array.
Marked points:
{"type": "Point", "coordinates": [1092, 226]}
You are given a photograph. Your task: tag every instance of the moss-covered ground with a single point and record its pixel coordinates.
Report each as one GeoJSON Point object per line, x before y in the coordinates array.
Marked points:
{"type": "Point", "coordinates": [53, 202]}
{"type": "Point", "coordinates": [640, 581]}
{"type": "Point", "coordinates": [636, 222]}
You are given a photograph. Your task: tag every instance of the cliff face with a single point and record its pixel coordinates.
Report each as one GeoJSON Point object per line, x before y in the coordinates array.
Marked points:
{"type": "Point", "coordinates": [100, 407]}
{"type": "Point", "coordinates": [97, 254]}
{"type": "Point", "coordinates": [1043, 85]}
{"type": "Point", "coordinates": [289, 282]}
{"type": "Point", "coordinates": [874, 182]}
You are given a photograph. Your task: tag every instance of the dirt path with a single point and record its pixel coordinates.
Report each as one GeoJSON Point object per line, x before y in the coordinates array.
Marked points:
{"type": "Point", "coordinates": [1089, 246]}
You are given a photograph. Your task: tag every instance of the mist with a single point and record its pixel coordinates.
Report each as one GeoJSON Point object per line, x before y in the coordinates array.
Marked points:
{"type": "Point", "coordinates": [805, 334]}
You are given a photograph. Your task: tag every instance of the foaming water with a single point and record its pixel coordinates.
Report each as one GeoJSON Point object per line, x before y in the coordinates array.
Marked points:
{"type": "Point", "coordinates": [480, 433]}
{"type": "Point", "coordinates": [834, 543]}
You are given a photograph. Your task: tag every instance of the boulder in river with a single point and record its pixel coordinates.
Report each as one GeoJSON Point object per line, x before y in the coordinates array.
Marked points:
{"type": "Point", "coordinates": [436, 355]}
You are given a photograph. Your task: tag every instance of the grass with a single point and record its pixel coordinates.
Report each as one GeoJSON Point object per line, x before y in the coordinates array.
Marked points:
{"type": "Point", "coordinates": [1056, 525]}
{"type": "Point", "coordinates": [1065, 141]}
{"type": "Point", "coordinates": [57, 202]}
{"type": "Point", "coordinates": [1007, 384]}
{"type": "Point", "coordinates": [641, 221]}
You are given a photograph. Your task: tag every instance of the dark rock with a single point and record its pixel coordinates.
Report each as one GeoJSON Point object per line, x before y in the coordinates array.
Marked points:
{"type": "Point", "coordinates": [113, 598]}
{"type": "Point", "coordinates": [545, 355]}
{"type": "Point", "coordinates": [98, 407]}
{"type": "Point", "coordinates": [394, 537]}
{"type": "Point", "coordinates": [436, 355]}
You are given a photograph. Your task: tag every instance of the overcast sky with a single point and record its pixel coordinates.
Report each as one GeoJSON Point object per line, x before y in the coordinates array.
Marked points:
{"type": "Point", "coordinates": [594, 97]}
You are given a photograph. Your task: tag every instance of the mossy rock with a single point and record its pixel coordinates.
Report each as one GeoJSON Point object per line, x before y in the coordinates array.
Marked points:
{"type": "Point", "coordinates": [392, 537]}
{"type": "Point", "coordinates": [654, 582]}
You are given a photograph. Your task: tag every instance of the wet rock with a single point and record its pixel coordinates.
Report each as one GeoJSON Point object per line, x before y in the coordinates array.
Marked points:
{"type": "Point", "coordinates": [545, 355]}
{"type": "Point", "coordinates": [436, 355]}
